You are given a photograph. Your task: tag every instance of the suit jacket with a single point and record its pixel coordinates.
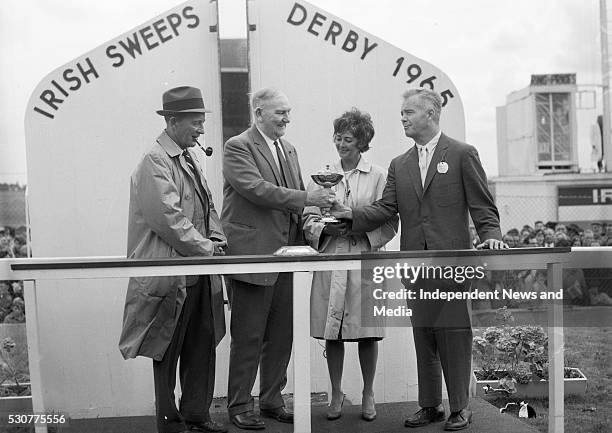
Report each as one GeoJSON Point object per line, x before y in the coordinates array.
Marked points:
{"type": "Point", "coordinates": [436, 216]}
{"type": "Point", "coordinates": [162, 198]}
{"type": "Point", "coordinates": [257, 210]}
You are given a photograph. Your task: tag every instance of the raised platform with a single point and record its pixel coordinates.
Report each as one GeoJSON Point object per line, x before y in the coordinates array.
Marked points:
{"type": "Point", "coordinates": [390, 419]}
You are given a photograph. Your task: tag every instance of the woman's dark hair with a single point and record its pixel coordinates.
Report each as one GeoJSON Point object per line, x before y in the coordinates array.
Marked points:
{"type": "Point", "coordinates": [358, 123]}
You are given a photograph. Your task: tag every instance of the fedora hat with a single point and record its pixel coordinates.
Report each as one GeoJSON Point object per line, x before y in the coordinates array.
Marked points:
{"type": "Point", "coordinates": [184, 99]}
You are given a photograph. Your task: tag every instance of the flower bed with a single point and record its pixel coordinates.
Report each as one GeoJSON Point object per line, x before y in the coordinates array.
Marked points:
{"type": "Point", "coordinates": [513, 360]}
{"type": "Point", "coordinates": [575, 383]}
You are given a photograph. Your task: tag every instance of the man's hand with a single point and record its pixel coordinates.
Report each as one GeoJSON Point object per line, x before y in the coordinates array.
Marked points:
{"type": "Point", "coordinates": [219, 248]}
{"type": "Point", "coordinates": [336, 229]}
{"type": "Point", "coordinates": [492, 244]}
{"type": "Point", "coordinates": [341, 211]}
{"type": "Point", "coordinates": [323, 198]}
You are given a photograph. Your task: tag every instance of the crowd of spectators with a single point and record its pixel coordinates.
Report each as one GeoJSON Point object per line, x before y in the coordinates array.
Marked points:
{"type": "Point", "coordinates": [12, 306]}
{"type": "Point", "coordinates": [560, 235]}
{"type": "Point", "coordinates": [13, 243]}
{"type": "Point", "coordinates": [580, 286]}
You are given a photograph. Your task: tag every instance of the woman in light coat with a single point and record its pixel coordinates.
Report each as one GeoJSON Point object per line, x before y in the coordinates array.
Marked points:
{"type": "Point", "coordinates": [336, 296]}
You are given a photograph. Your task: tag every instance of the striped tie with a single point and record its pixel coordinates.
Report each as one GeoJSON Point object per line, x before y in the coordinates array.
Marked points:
{"type": "Point", "coordinates": [191, 165]}
{"type": "Point", "coordinates": [198, 184]}
{"type": "Point", "coordinates": [282, 162]}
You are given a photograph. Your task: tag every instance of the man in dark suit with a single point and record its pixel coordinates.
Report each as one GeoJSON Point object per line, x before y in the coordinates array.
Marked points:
{"type": "Point", "coordinates": [263, 198]}
{"type": "Point", "coordinates": [433, 187]}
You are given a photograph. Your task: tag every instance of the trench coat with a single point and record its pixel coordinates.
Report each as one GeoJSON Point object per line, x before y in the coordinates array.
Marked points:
{"type": "Point", "coordinates": [162, 200]}
{"type": "Point", "coordinates": [336, 297]}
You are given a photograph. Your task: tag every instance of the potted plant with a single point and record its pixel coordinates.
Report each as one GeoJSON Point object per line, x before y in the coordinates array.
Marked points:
{"type": "Point", "coordinates": [15, 392]}
{"type": "Point", "coordinates": [513, 360]}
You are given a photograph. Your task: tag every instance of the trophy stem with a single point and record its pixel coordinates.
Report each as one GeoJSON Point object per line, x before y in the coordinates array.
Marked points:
{"type": "Point", "coordinates": [326, 216]}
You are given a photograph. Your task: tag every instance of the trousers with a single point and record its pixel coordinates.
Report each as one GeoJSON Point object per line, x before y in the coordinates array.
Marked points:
{"type": "Point", "coordinates": [193, 342]}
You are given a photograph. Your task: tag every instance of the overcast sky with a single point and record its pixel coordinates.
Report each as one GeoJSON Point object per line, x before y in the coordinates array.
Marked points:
{"type": "Point", "coordinates": [488, 48]}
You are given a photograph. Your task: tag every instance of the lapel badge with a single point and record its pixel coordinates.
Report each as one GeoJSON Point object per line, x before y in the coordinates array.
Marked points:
{"type": "Point", "coordinates": [442, 167]}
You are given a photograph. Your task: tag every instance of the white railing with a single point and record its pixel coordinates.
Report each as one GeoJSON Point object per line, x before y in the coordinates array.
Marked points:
{"type": "Point", "coordinates": [32, 270]}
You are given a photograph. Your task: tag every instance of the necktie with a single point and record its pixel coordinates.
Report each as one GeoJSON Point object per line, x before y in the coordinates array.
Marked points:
{"type": "Point", "coordinates": [198, 182]}
{"type": "Point", "coordinates": [423, 153]}
{"type": "Point", "coordinates": [191, 165]}
{"type": "Point", "coordinates": [284, 168]}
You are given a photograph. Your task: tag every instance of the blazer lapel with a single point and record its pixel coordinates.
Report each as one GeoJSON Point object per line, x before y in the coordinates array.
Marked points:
{"type": "Point", "coordinates": [414, 172]}
{"type": "Point", "coordinates": [439, 155]}
{"type": "Point", "coordinates": [264, 149]}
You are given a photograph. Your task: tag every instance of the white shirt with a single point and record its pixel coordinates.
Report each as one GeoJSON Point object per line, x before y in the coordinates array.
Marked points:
{"type": "Point", "coordinates": [425, 156]}
{"type": "Point", "coordinates": [272, 147]}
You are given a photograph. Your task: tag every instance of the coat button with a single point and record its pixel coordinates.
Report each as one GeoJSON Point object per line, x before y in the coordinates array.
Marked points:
{"type": "Point", "coordinates": [187, 197]}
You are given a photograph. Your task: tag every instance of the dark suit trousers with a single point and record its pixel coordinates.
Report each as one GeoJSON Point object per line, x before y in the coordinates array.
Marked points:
{"type": "Point", "coordinates": [194, 342]}
{"type": "Point", "coordinates": [451, 350]}
{"type": "Point", "coordinates": [443, 343]}
{"type": "Point", "coordinates": [262, 335]}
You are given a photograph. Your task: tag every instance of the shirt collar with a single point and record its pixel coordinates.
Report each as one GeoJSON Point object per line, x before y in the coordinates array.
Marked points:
{"type": "Point", "coordinates": [431, 144]}
{"type": "Point", "coordinates": [268, 140]}
{"type": "Point", "coordinates": [363, 165]}
{"type": "Point", "coordinates": [169, 145]}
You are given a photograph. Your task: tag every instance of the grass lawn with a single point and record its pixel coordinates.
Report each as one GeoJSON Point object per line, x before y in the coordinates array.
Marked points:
{"type": "Point", "coordinates": [589, 349]}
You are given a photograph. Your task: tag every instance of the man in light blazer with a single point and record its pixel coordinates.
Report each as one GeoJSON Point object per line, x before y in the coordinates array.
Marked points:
{"type": "Point", "coordinates": [435, 186]}
{"type": "Point", "coordinates": [263, 198]}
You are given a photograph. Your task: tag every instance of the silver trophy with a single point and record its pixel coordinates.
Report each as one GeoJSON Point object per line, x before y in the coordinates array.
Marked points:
{"type": "Point", "coordinates": [327, 179]}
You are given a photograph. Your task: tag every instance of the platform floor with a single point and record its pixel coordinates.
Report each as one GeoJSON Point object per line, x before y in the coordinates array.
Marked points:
{"type": "Point", "coordinates": [487, 419]}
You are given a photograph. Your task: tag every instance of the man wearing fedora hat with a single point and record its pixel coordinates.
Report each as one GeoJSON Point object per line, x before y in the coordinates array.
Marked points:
{"type": "Point", "coordinates": [171, 214]}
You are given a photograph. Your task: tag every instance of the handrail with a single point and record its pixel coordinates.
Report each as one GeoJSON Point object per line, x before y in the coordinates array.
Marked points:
{"type": "Point", "coordinates": [97, 267]}
{"type": "Point", "coordinates": [56, 262]}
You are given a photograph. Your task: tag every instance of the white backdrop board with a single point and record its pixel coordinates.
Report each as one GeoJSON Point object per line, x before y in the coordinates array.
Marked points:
{"type": "Point", "coordinates": [87, 124]}
{"type": "Point", "coordinates": [325, 66]}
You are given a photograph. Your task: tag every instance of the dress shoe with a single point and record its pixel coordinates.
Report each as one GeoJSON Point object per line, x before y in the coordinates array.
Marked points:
{"type": "Point", "coordinates": [280, 414]}
{"type": "Point", "coordinates": [333, 411]}
{"type": "Point", "coordinates": [368, 407]}
{"type": "Point", "coordinates": [425, 416]}
{"type": "Point", "coordinates": [458, 420]}
{"type": "Point", "coordinates": [207, 426]}
{"type": "Point", "coordinates": [248, 421]}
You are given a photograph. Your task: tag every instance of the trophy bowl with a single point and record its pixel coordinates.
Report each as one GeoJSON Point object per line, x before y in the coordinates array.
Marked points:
{"type": "Point", "coordinates": [327, 179]}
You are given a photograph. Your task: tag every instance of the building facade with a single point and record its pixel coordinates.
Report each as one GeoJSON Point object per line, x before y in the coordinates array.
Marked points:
{"type": "Point", "coordinates": [549, 155]}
